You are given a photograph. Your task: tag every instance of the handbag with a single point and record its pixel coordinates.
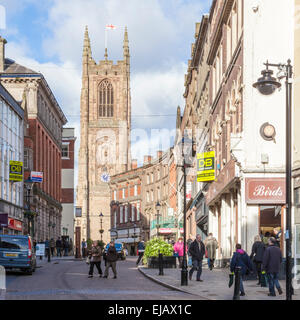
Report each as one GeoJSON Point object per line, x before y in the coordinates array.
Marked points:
{"type": "Point", "coordinates": [231, 277]}
{"type": "Point", "coordinates": [88, 260]}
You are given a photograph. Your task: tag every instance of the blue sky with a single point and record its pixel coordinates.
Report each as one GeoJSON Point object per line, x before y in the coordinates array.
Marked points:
{"type": "Point", "coordinates": [47, 36]}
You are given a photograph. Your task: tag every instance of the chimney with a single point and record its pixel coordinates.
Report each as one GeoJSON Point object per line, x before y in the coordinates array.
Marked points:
{"type": "Point", "coordinates": [147, 160]}
{"type": "Point", "coordinates": [134, 164]}
{"type": "Point", "coordinates": [159, 154]}
{"type": "Point", "coordinates": [2, 53]}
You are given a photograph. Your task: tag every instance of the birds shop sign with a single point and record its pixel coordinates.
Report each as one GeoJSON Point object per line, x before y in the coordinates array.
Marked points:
{"type": "Point", "coordinates": [265, 190]}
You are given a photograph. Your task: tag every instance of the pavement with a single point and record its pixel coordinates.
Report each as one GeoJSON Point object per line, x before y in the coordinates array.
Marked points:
{"type": "Point", "coordinates": [214, 285]}
{"type": "Point", "coordinates": [66, 278]}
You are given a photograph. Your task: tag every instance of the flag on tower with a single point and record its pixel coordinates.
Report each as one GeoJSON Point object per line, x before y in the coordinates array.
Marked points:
{"type": "Point", "coordinates": [110, 27]}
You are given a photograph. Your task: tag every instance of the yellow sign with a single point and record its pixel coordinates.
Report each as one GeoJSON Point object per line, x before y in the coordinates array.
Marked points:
{"type": "Point", "coordinates": [206, 166]}
{"type": "Point", "coordinates": [15, 171]}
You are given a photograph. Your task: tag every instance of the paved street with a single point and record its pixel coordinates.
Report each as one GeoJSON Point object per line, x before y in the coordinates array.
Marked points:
{"type": "Point", "coordinates": [67, 279]}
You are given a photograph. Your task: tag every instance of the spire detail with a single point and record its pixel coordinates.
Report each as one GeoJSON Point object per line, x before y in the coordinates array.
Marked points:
{"type": "Point", "coordinates": [87, 44]}
{"type": "Point", "coordinates": [126, 45]}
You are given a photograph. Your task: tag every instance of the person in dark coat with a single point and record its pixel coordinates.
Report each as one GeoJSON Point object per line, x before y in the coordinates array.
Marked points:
{"type": "Point", "coordinates": [241, 259]}
{"type": "Point", "coordinates": [257, 254]}
{"type": "Point", "coordinates": [58, 247]}
{"type": "Point", "coordinates": [95, 255]}
{"type": "Point", "coordinates": [271, 264]}
{"type": "Point", "coordinates": [111, 260]}
{"type": "Point", "coordinates": [197, 251]}
{"type": "Point", "coordinates": [141, 250]}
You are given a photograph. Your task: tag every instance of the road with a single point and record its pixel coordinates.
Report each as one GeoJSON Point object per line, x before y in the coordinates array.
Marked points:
{"type": "Point", "coordinates": [68, 280]}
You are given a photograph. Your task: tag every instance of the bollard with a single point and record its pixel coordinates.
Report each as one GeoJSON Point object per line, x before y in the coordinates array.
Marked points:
{"type": "Point", "coordinates": [236, 295]}
{"type": "Point", "coordinates": [160, 264]}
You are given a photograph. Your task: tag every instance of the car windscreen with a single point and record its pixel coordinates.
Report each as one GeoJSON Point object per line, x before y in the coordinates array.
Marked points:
{"type": "Point", "coordinates": [13, 243]}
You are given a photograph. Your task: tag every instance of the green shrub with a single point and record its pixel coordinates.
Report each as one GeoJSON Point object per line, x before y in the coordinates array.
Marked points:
{"type": "Point", "coordinates": [156, 245]}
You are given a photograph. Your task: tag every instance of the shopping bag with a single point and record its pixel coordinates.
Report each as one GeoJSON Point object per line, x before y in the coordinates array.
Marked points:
{"type": "Point", "coordinates": [88, 260]}
{"type": "Point", "coordinates": [264, 280]}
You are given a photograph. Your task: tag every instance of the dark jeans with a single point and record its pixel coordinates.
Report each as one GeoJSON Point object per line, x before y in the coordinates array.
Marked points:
{"type": "Point", "coordinates": [58, 251]}
{"type": "Point", "coordinates": [140, 257]}
{"type": "Point", "coordinates": [66, 251]}
{"type": "Point", "coordinates": [258, 270]}
{"type": "Point", "coordinates": [197, 265]}
{"type": "Point", "coordinates": [180, 260]}
{"type": "Point", "coordinates": [210, 263]}
{"type": "Point", "coordinates": [83, 252]}
{"type": "Point", "coordinates": [273, 281]}
{"type": "Point", "coordinates": [98, 266]}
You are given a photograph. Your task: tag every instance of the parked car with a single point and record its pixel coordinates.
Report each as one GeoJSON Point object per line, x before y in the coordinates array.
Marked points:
{"type": "Point", "coordinates": [120, 250]}
{"type": "Point", "coordinates": [17, 252]}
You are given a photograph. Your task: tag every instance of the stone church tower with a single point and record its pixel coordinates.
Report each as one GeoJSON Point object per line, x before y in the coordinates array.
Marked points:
{"type": "Point", "coordinates": [105, 113]}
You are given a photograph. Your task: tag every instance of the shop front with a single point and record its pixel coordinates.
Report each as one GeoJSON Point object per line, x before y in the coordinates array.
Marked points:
{"type": "Point", "coordinates": [265, 198]}
{"type": "Point", "coordinates": [15, 226]}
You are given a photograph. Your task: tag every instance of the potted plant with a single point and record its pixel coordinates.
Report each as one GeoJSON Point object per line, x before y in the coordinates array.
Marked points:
{"type": "Point", "coordinates": [152, 250]}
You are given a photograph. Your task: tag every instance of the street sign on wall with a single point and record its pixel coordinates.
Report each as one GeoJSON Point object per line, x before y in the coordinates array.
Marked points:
{"type": "Point", "coordinates": [206, 166]}
{"type": "Point", "coordinates": [15, 171]}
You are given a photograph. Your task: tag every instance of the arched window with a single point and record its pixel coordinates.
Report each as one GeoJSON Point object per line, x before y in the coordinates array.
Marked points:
{"type": "Point", "coordinates": [106, 99]}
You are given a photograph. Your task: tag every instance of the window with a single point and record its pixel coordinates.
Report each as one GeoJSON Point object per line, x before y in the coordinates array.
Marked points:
{"type": "Point", "coordinates": [65, 151]}
{"type": "Point", "coordinates": [115, 195]}
{"type": "Point", "coordinates": [148, 178]}
{"type": "Point", "coordinates": [123, 193]}
{"type": "Point", "coordinates": [132, 212]}
{"type": "Point", "coordinates": [126, 213]}
{"type": "Point", "coordinates": [121, 214]}
{"type": "Point", "coordinates": [135, 190]}
{"type": "Point", "coordinates": [106, 99]}
{"type": "Point", "coordinates": [148, 196]}
{"type": "Point", "coordinates": [138, 212]}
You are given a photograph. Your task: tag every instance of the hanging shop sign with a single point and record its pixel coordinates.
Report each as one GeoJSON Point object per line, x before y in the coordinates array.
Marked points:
{"type": "Point", "coordinates": [265, 190]}
{"type": "Point", "coordinates": [14, 224]}
{"type": "Point", "coordinates": [206, 166]}
{"type": "Point", "coordinates": [15, 171]}
{"type": "Point", "coordinates": [36, 176]}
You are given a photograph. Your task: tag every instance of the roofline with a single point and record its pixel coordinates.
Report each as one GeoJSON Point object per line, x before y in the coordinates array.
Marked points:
{"type": "Point", "coordinates": [11, 101]}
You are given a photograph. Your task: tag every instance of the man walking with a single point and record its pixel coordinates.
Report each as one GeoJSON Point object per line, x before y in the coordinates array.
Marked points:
{"type": "Point", "coordinates": [58, 247]}
{"type": "Point", "coordinates": [111, 260]}
{"type": "Point", "coordinates": [271, 264]}
{"type": "Point", "coordinates": [95, 256]}
{"type": "Point", "coordinates": [83, 248]}
{"type": "Point", "coordinates": [141, 250]}
{"type": "Point", "coordinates": [197, 251]}
{"type": "Point", "coordinates": [211, 245]}
{"type": "Point", "coordinates": [52, 246]}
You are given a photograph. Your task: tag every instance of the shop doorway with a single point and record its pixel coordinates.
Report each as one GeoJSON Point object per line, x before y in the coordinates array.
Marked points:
{"type": "Point", "coordinates": [270, 221]}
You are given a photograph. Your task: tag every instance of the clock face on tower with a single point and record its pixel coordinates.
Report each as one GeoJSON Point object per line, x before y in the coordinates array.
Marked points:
{"type": "Point", "coordinates": [105, 177]}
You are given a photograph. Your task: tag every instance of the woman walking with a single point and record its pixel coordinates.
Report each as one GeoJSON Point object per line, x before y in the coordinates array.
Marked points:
{"type": "Point", "coordinates": [211, 245]}
{"type": "Point", "coordinates": [178, 248]}
{"type": "Point", "coordinates": [257, 254]}
{"type": "Point", "coordinates": [95, 257]}
{"type": "Point", "coordinates": [240, 259]}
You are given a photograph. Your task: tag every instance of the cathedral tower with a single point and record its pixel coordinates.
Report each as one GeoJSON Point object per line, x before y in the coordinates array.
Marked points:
{"type": "Point", "coordinates": [105, 124]}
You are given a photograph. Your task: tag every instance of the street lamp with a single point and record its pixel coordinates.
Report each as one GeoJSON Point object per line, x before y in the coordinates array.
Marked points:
{"type": "Point", "coordinates": [28, 213]}
{"type": "Point", "coordinates": [157, 207]}
{"type": "Point", "coordinates": [101, 229]}
{"type": "Point", "coordinates": [187, 146]}
{"type": "Point", "coordinates": [266, 86]}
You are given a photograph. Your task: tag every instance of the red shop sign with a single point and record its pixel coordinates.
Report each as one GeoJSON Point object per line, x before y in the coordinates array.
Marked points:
{"type": "Point", "coordinates": [265, 190]}
{"type": "Point", "coordinates": [14, 224]}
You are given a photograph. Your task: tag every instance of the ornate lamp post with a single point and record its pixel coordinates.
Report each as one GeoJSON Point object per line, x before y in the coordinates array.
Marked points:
{"type": "Point", "coordinates": [101, 228]}
{"type": "Point", "coordinates": [157, 207]}
{"type": "Point", "coordinates": [28, 213]}
{"type": "Point", "coordinates": [266, 85]}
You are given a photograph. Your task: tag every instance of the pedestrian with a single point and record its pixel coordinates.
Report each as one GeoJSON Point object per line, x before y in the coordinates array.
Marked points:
{"type": "Point", "coordinates": [211, 245]}
{"type": "Point", "coordinates": [83, 248]}
{"type": "Point", "coordinates": [111, 260]}
{"type": "Point", "coordinates": [95, 259]}
{"type": "Point", "coordinates": [52, 246]}
{"type": "Point", "coordinates": [178, 248]}
{"type": "Point", "coordinates": [141, 250]}
{"type": "Point", "coordinates": [271, 265]}
{"type": "Point", "coordinates": [266, 238]}
{"type": "Point", "coordinates": [257, 254]}
{"type": "Point", "coordinates": [189, 242]}
{"type": "Point", "coordinates": [66, 247]}
{"type": "Point", "coordinates": [71, 247]}
{"type": "Point", "coordinates": [277, 232]}
{"type": "Point", "coordinates": [197, 251]}
{"type": "Point", "coordinates": [58, 247]}
{"type": "Point", "coordinates": [47, 247]}
{"type": "Point", "coordinates": [241, 259]}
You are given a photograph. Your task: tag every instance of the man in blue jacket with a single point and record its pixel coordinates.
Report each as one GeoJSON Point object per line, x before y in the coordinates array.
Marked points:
{"type": "Point", "coordinates": [271, 264]}
{"type": "Point", "coordinates": [197, 251]}
{"type": "Point", "coordinates": [241, 259]}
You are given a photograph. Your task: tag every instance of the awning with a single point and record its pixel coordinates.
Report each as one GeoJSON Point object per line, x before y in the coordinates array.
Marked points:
{"type": "Point", "coordinates": [202, 220]}
{"type": "Point", "coordinates": [126, 240]}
